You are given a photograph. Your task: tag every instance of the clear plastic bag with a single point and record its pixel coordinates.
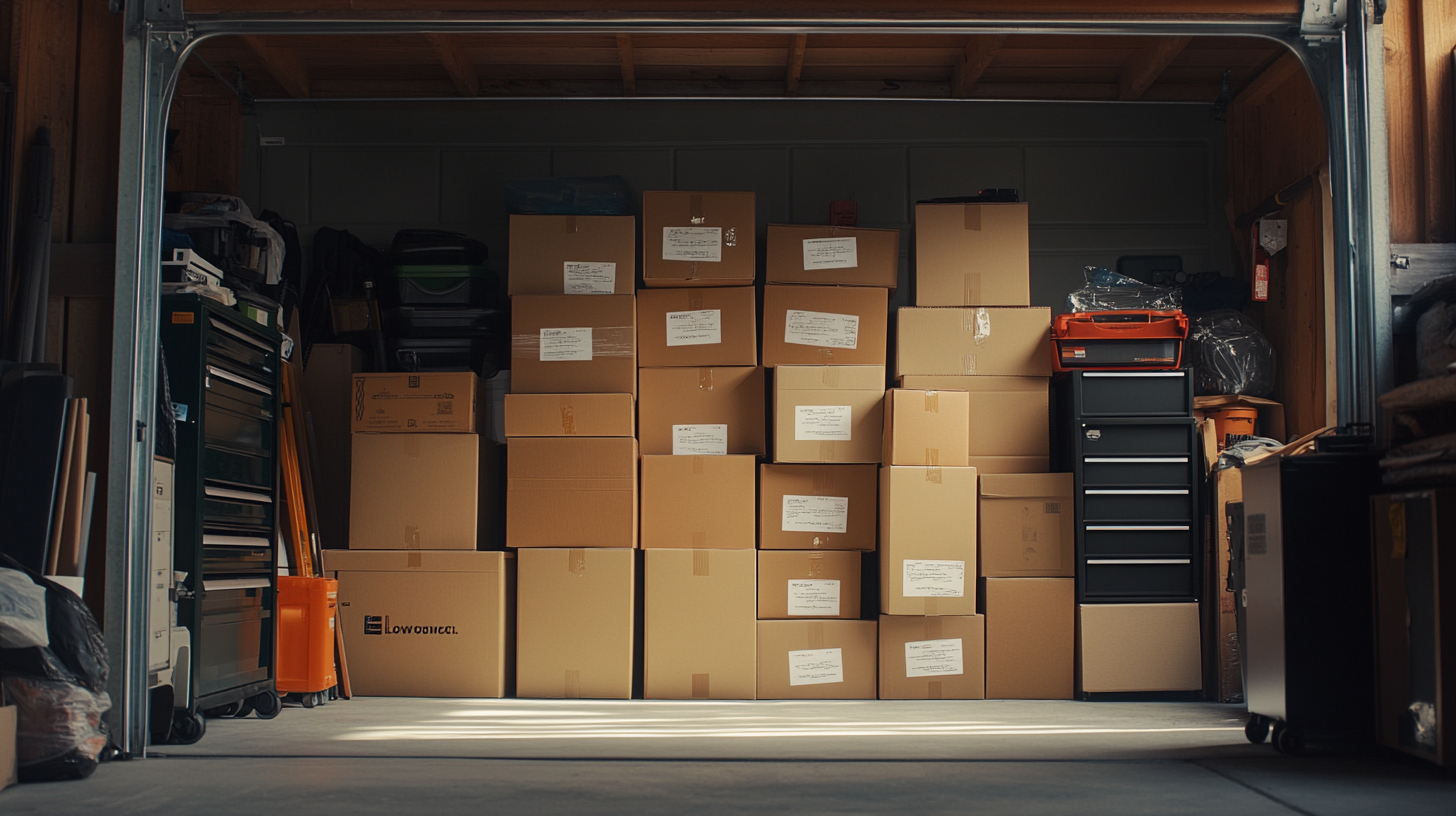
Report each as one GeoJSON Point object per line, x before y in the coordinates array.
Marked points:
{"type": "Point", "coordinates": [1231, 356]}
{"type": "Point", "coordinates": [60, 733]}
{"type": "Point", "coordinates": [22, 611]}
{"type": "Point", "coordinates": [1108, 291]}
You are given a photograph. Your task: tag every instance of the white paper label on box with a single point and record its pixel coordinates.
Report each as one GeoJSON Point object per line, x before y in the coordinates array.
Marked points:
{"type": "Point", "coordinates": [812, 667]}
{"type": "Point", "coordinates": [830, 253]}
{"type": "Point", "coordinates": [934, 579]}
{"type": "Point", "coordinates": [566, 344]}
{"type": "Point", "coordinates": [696, 328]}
{"type": "Point", "coordinates": [814, 422]}
{"type": "Point", "coordinates": [813, 598]}
{"type": "Point", "coordinates": [588, 278]}
{"type": "Point", "coordinates": [934, 658]}
{"type": "Point", "coordinates": [699, 440]}
{"type": "Point", "coordinates": [821, 329]}
{"type": "Point", "coordinates": [816, 514]}
{"type": "Point", "coordinates": [692, 244]}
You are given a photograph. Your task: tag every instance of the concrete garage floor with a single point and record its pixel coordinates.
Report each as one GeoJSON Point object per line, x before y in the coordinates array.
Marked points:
{"type": "Point", "coordinates": [400, 756]}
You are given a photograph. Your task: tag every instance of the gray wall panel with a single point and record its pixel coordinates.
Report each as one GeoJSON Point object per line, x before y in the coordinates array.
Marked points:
{"type": "Point", "coordinates": [471, 182]}
{"type": "Point", "coordinates": [374, 187]}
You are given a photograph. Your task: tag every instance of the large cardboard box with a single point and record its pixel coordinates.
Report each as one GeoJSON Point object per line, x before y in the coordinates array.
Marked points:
{"type": "Point", "coordinates": [1030, 637]}
{"type": "Point", "coordinates": [1223, 661]}
{"type": "Point", "coordinates": [972, 255]}
{"type": "Point", "coordinates": [926, 427]}
{"type": "Point", "coordinates": [575, 621]}
{"type": "Point", "coordinates": [699, 502]}
{"type": "Point", "coordinates": [1028, 526]}
{"type": "Point", "coordinates": [818, 507]}
{"type": "Point", "coordinates": [1010, 464]}
{"type": "Point", "coordinates": [566, 344]}
{"type": "Point", "coordinates": [698, 239]}
{"type": "Point", "coordinates": [824, 325]}
{"type": "Point", "coordinates": [808, 584]}
{"type": "Point", "coordinates": [571, 492]}
{"type": "Point", "coordinates": [700, 633]}
{"type": "Point", "coordinates": [828, 413]}
{"type": "Point", "coordinates": [570, 415]}
{"type": "Point", "coordinates": [328, 388]}
{"type": "Point", "coordinates": [1009, 416]}
{"type": "Point", "coordinates": [684, 411]}
{"type": "Point", "coordinates": [427, 623]}
{"type": "Point", "coordinates": [833, 256]}
{"type": "Point", "coordinates": [932, 658]}
{"type": "Point", "coordinates": [415, 492]}
{"type": "Point", "coordinates": [697, 327]}
{"type": "Point", "coordinates": [573, 255]}
{"type": "Point", "coordinates": [991, 341]}
{"type": "Point", "coordinates": [817, 660]}
{"type": "Point", "coordinates": [417, 402]}
{"type": "Point", "coordinates": [1138, 647]}
{"type": "Point", "coordinates": [9, 728]}
{"type": "Point", "coordinates": [927, 541]}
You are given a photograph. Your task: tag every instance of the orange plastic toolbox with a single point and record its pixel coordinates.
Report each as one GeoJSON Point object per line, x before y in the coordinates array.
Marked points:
{"type": "Point", "coordinates": [306, 609]}
{"type": "Point", "coordinates": [1119, 341]}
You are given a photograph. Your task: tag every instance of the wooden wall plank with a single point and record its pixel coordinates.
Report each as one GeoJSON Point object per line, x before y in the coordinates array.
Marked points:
{"type": "Point", "coordinates": [98, 126]}
{"type": "Point", "coordinates": [628, 62]}
{"type": "Point", "coordinates": [796, 63]}
{"type": "Point", "coordinates": [1404, 134]}
{"type": "Point", "coordinates": [44, 64]}
{"type": "Point", "coordinates": [1437, 31]}
{"type": "Point", "coordinates": [1147, 65]}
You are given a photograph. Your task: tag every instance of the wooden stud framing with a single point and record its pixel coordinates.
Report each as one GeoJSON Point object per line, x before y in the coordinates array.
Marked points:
{"type": "Point", "coordinates": [457, 64]}
{"type": "Point", "coordinates": [1149, 64]}
{"type": "Point", "coordinates": [629, 70]}
{"type": "Point", "coordinates": [283, 65]}
{"type": "Point", "coordinates": [796, 63]}
{"type": "Point", "coordinates": [980, 51]}
{"type": "Point", "coordinates": [1269, 81]}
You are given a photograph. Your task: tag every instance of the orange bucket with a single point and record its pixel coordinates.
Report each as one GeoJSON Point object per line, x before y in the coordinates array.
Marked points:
{"type": "Point", "coordinates": [1231, 421]}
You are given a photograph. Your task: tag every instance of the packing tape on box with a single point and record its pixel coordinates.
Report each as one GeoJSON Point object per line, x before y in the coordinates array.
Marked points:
{"type": "Point", "coordinates": [826, 450]}
{"type": "Point", "coordinates": [968, 365]}
{"type": "Point", "coordinates": [829, 376]}
{"type": "Point", "coordinates": [413, 560]}
{"type": "Point", "coordinates": [700, 686]}
{"type": "Point", "coordinates": [698, 465]}
{"type": "Point", "coordinates": [932, 465]}
{"type": "Point", "coordinates": [705, 379]}
{"type": "Point", "coordinates": [823, 481]}
{"type": "Point", "coordinates": [576, 561]}
{"type": "Point", "coordinates": [695, 301]}
{"type": "Point", "coordinates": [816, 635]}
{"type": "Point", "coordinates": [700, 540]}
{"type": "Point", "coordinates": [971, 289]}
{"type": "Point", "coordinates": [826, 356]}
{"type": "Point", "coordinates": [933, 628]}
{"type": "Point", "coordinates": [935, 690]}
{"type": "Point", "coordinates": [983, 326]}
{"type": "Point", "coordinates": [816, 564]}
{"type": "Point", "coordinates": [932, 402]}
{"type": "Point", "coordinates": [571, 226]}
{"type": "Point", "coordinates": [606, 341]}
{"type": "Point", "coordinates": [568, 417]}
{"type": "Point", "coordinates": [972, 216]}
{"type": "Point", "coordinates": [571, 689]}
{"type": "Point", "coordinates": [702, 565]}
{"type": "Point", "coordinates": [932, 606]}
{"type": "Point", "coordinates": [411, 537]}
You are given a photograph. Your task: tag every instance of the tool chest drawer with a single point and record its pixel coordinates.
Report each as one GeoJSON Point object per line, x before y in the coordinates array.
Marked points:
{"type": "Point", "coordinates": [1136, 504]}
{"type": "Point", "coordinates": [1138, 578]}
{"type": "Point", "coordinates": [1137, 471]}
{"type": "Point", "coordinates": [1141, 437]}
{"type": "Point", "coordinates": [1133, 393]}
{"type": "Point", "coordinates": [237, 347]}
{"type": "Point", "coordinates": [1131, 540]}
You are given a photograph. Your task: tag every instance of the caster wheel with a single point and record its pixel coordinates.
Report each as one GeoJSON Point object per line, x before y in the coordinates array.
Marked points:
{"type": "Point", "coordinates": [309, 700]}
{"type": "Point", "coordinates": [187, 728]}
{"type": "Point", "coordinates": [1288, 741]}
{"type": "Point", "coordinates": [1257, 729]}
{"type": "Point", "coordinates": [267, 705]}
{"type": "Point", "coordinates": [323, 698]}
{"type": "Point", "coordinates": [245, 708]}
{"type": "Point", "coordinates": [229, 710]}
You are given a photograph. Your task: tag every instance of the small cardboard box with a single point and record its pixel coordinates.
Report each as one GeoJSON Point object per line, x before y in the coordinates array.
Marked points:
{"type": "Point", "coordinates": [698, 502]}
{"type": "Point", "coordinates": [1028, 527]}
{"type": "Point", "coordinates": [414, 492]}
{"type": "Point", "coordinates": [972, 255]}
{"type": "Point", "coordinates": [573, 255]}
{"type": "Point", "coordinates": [697, 327]}
{"type": "Point", "coordinates": [808, 584]}
{"type": "Point", "coordinates": [570, 415]}
{"type": "Point", "coordinates": [828, 413]}
{"type": "Point", "coordinates": [425, 623]}
{"type": "Point", "coordinates": [571, 492]}
{"type": "Point", "coordinates": [418, 402]}
{"type": "Point", "coordinates": [698, 239]}
{"type": "Point", "coordinates": [926, 427]}
{"type": "Point", "coordinates": [824, 325]}
{"type": "Point", "coordinates": [683, 411]}
{"type": "Point", "coordinates": [817, 660]}
{"type": "Point", "coordinates": [1138, 647]}
{"type": "Point", "coordinates": [1030, 637]}
{"type": "Point", "coordinates": [833, 256]}
{"type": "Point", "coordinates": [927, 541]}
{"type": "Point", "coordinates": [1009, 415]}
{"type": "Point", "coordinates": [700, 634]}
{"type": "Point", "coordinates": [575, 621]}
{"type": "Point", "coordinates": [991, 341]}
{"type": "Point", "coordinates": [818, 507]}
{"type": "Point", "coordinates": [932, 658]}
{"type": "Point", "coordinates": [567, 344]}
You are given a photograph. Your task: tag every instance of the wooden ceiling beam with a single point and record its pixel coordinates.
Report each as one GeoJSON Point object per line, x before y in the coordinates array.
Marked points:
{"type": "Point", "coordinates": [980, 51]}
{"type": "Point", "coordinates": [629, 69]}
{"type": "Point", "coordinates": [796, 63]}
{"type": "Point", "coordinates": [283, 65]}
{"type": "Point", "coordinates": [457, 64]}
{"type": "Point", "coordinates": [1147, 65]}
{"type": "Point", "coordinates": [1268, 81]}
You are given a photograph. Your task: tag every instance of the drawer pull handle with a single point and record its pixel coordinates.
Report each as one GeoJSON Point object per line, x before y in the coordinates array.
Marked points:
{"type": "Point", "coordinates": [1140, 460]}
{"type": "Point", "coordinates": [243, 381]}
{"type": "Point", "coordinates": [1136, 492]}
{"type": "Point", "coordinates": [241, 335]}
{"type": "Point", "coordinates": [241, 495]}
{"type": "Point", "coordinates": [234, 541]}
{"type": "Point", "coordinates": [1165, 561]}
{"type": "Point", "coordinates": [1087, 374]}
{"type": "Point", "coordinates": [235, 583]}
{"type": "Point", "coordinates": [1135, 529]}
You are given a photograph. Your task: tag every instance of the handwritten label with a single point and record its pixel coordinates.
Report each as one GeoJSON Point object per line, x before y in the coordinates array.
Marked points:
{"type": "Point", "coordinates": [830, 253]}
{"type": "Point", "coordinates": [816, 514]}
{"type": "Point", "coordinates": [814, 422]}
{"type": "Point", "coordinates": [692, 244]}
{"type": "Point", "coordinates": [697, 328]}
{"type": "Point", "coordinates": [566, 344]}
{"type": "Point", "coordinates": [814, 598]}
{"type": "Point", "coordinates": [821, 329]}
{"type": "Point", "coordinates": [934, 658]}
{"type": "Point", "coordinates": [699, 440]}
{"type": "Point", "coordinates": [934, 579]}
{"type": "Point", "coordinates": [588, 278]}
{"type": "Point", "coordinates": [811, 667]}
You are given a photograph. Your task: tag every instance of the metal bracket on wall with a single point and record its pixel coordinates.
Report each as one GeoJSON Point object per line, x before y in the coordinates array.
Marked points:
{"type": "Point", "coordinates": [1415, 265]}
{"type": "Point", "coordinates": [1322, 20]}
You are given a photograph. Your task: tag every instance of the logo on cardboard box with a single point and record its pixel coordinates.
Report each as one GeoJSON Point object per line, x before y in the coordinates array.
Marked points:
{"type": "Point", "coordinates": [381, 625]}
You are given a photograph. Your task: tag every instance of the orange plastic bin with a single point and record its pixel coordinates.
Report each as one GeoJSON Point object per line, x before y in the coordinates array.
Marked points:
{"type": "Point", "coordinates": [306, 608]}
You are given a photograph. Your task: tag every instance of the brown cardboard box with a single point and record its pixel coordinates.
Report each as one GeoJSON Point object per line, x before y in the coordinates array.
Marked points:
{"type": "Point", "coordinates": [1009, 415]}
{"type": "Point", "coordinates": [419, 402]}
{"type": "Point", "coordinates": [1271, 414]}
{"type": "Point", "coordinates": [575, 613]}
{"type": "Point", "coordinates": [808, 584]}
{"type": "Point", "coordinates": [972, 255]}
{"type": "Point", "coordinates": [414, 492]}
{"type": "Point", "coordinates": [828, 413]}
{"type": "Point", "coordinates": [1030, 637]}
{"type": "Point", "coordinates": [573, 255]}
{"type": "Point", "coordinates": [685, 411]}
{"type": "Point", "coordinates": [817, 660]}
{"type": "Point", "coordinates": [698, 502]}
{"type": "Point", "coordinates": [932, 658]}
{"type": "Point", "coordinates": [328, 386]}
{"type": "Point", "coordinates": [818, 507]}
{"type": "Point", "coordinates": [698, 239]}
{"type": "Point", "coordinates": [1010, 464]}
{"type": "Point", "coordinates": [697, 327]}
{"type": "Point", "coordinates": [927, 541]}
{"type": "Point", "coordinates": [567, 344]}
{"type": "Point", "coordinates": [571, 492]}
{"type": "Point", "coordinates": [700, 635]}
{"type": "Point", "coordinates": [1028, 527]}
{"type": "Point", "coordinates": [824, 325]}
{"type": "Point", "coordinates": [833, 256]}
{"type": "Point", "coordinates": [991, 341]}
{"type": "Point", "coordinates": [926, 427]}
{"type": "Point", "coordinates": [570, 415]}
{"type": "Point", "coordinates": [427, 623]}
{"type": "Point", "coordinates": [1138, 647]}
{"type": "Point", "coordinates": [9, 725]}
{"type": "Point", "coordinates": [1224, 663]}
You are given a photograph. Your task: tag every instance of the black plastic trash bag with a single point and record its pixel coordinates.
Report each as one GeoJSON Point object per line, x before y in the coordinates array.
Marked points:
{"type": "Point", "coordinates": [1231, 356]}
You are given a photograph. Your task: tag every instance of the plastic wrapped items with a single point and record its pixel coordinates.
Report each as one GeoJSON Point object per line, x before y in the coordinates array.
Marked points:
{"type": "Point", "coordinates": [22, 612]}
{"type": "Point", "coordinates": [1231, 355]}
{"type": "Point", "coordinates": [605, 195]}
{"type": "Point", "coordinates": [1107, 291]}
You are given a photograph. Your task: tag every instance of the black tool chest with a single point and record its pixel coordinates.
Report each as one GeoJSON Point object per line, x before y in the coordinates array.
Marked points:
{"type": "Point", "coordinates": [1130, 439]}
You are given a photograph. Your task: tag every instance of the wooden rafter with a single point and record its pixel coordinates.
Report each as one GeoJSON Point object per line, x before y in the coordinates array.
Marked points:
{"type": "Point", "coordinates": [1269, 80]}
{"type": "Point", "coordinates": [629, 69]}
{"type": "Point", "coordinates": [283, 65]}
{"type": "Point", "coordinates": [980, 51]}
{"type": "Point", "coordinates": [457, 64]}
{"type": "Point", "coordinates": [1147, 65]}
{"type": "Point", "coordinates": [796, 63]}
